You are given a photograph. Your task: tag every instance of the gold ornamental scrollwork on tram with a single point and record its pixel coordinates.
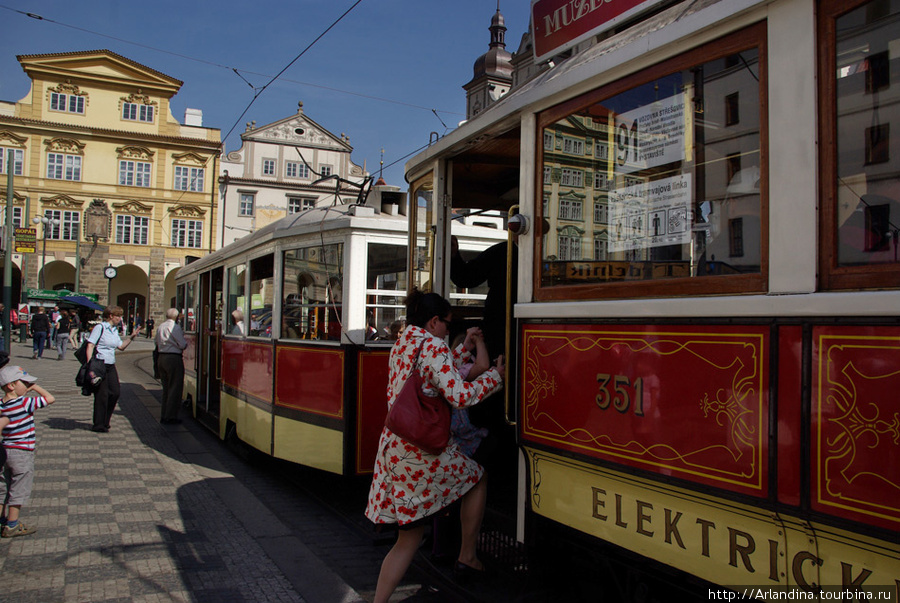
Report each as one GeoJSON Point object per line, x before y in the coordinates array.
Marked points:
{"type": "Point", "coordinates": [733, 412]}
{"type": "Point", "coordinates": [858, 424]}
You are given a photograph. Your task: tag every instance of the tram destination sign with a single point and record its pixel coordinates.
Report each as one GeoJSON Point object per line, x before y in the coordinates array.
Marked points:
{"type": "Point", "coordinates": [561, 24]}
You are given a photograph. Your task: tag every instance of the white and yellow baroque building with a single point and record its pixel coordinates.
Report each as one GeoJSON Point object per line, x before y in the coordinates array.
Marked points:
{"type": "Point", "coordinates": [96, 148]}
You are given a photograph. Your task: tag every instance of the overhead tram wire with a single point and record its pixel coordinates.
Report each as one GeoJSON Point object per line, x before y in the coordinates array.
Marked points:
{"type": "Point", "coordinates": [237, 71]}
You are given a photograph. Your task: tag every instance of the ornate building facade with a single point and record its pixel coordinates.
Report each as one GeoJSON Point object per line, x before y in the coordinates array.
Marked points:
{"type": "Point", "coordinates": [283, 168]}
{"type": "Point", "coordinates": [126, 193]}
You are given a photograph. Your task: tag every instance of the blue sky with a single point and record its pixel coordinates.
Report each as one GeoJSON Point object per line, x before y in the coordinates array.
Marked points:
{"type": "Point", "coordinates": [415, 53]}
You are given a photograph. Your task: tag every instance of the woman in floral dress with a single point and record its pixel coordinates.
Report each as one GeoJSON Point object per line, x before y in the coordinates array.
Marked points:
{"type": "Point", "coordinates": [409, 484]}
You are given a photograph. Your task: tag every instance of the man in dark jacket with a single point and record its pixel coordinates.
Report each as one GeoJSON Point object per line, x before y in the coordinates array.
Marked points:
{"type": "Point", "coordinates": [40, 329]}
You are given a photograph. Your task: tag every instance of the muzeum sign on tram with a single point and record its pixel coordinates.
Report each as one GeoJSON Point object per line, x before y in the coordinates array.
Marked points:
{"type": "Point", "coordinates": [561, 24]}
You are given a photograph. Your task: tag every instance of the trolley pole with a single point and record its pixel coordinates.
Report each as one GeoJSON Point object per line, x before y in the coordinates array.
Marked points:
{"type": "Point", "coordinates": [7, 257]}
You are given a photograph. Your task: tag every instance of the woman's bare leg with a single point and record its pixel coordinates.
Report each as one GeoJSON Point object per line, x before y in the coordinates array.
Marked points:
{"type": "Point", "coordinates": [471, 515]}
{"type": "Point", "coordinates": [397, 561]}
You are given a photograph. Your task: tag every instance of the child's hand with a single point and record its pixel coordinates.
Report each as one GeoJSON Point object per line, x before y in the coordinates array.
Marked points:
{"type": "Point", "coordinates": [473, 334]}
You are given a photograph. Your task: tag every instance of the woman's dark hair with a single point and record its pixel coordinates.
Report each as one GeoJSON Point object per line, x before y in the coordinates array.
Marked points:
{"type": "Point", "coordinates": [421, 307]}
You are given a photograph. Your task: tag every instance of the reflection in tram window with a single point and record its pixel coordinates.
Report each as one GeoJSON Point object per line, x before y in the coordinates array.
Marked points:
{"type": "Point", "coordinates": [313, 289]}
{"type": "Point", "coordinates": [669, 168]}
{"type": "Point", "coordinates": [262, 292]}
{"type": "Point", "coordinates": [236, 302]}
{"type": "Point", "coordinates": [385, 289]}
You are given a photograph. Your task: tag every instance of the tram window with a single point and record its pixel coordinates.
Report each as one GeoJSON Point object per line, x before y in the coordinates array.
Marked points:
{"type": "Point", "coordinates": [189, 309]}
{"type": "Point", "coordinates": [236, 302]}
{"type": "Point", "coordinates": [262, 295]}
{"type": "Point", "coordinates": [385, 290]}
{"type": "Point", "coordinates": [860, 101]}
{"type": "Point", "coordinates": [422, 261]}
{"type": "Point", "coordinates": [679, 173]}
{"type": "Point", "coordinates": [312, 285]}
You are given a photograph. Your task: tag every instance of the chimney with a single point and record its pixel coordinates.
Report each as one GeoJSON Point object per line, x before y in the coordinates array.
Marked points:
{"type": "Point", "coordinates": [193, 117]}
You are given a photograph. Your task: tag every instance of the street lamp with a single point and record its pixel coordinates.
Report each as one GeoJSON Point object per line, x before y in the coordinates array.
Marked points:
{"type": "Point", "coordinates": [48, 223]}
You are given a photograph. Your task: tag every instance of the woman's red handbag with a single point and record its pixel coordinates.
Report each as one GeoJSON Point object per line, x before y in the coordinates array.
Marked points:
{"type": "Point", "coordinates": [419, 419]}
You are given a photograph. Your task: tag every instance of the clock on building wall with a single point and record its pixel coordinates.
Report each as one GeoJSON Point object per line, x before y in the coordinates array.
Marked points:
{"type": "Point", "coordinates": [110, 272]}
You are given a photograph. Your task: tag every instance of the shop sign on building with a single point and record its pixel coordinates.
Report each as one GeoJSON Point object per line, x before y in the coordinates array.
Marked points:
{"type": "Point", "coordinates": [26, 240]}
{"type": "Point", "coordinates": [561, 24]}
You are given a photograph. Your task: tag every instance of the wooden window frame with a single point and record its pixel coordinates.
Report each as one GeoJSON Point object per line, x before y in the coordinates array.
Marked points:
{"type": "Point", "coordinates": [833, 277]}
{"type": "Point", "coordinates": [752, 37]}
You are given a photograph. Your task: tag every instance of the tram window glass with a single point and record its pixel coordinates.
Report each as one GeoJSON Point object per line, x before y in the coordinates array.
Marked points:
{"type": "Point", "coordinates": [665, 218]}
{"type": "Point", "coordinates": [180, 292]}
{"type": "Point", "coordinates": [385, 290]}
{"type": "Point", "coordinates": [313, 282]}
{"type": "Point", "coordinates": [262, 292]}
{"type": "Point", "coordinates": [235, 322]}
{"type": "Point", "coordinates": [860, 80]}
{"type": "Point", "coordinates": [189, 309]}
{"type": "Point", "coordinates": [422, 261]}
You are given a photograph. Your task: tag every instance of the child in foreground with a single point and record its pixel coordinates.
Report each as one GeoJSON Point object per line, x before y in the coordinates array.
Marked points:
{"type": "Point", "coordinates": [21, 397]}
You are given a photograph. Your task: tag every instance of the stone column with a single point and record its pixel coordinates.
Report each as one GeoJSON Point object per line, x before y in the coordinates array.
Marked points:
{"type": "Point", "coordinates": [156, 302]}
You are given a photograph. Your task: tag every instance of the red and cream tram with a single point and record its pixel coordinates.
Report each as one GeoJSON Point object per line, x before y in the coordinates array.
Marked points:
{"type": "Point", "coordinates": [704, 331]}
{"type": "Point", "coordinates": [289, 330]}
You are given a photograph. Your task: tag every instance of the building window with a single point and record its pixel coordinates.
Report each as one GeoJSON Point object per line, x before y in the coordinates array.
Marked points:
{"type": "Point", "coordinates": [548, 141]}
{"type": "Point", "coordinates": [569, 247]}
{"type": "Point", "coordinates": [136, 112]}
{"type": "Point", "coordinates": [599, 249]}
{"type": "Point", "coordinates": [732, 109]}
{"type": "Point", "coordinates": [601, 151]}
{"type": "Point", "coordinates": [569, 210]}
{"type": "Point", "coordinates": [268, 167]}
{"type": "Point", "coordinates": [878, 72]}
{"type": "Point", "coordinates": [67, 103]}
{"type": "Point", "coordinates": [17, 217]}
{"type": "Point", "coordinates": [736, 237]}
{"type": "Point", "coordinates": [573, 146]}
{"type": "Point", "coordinates": [298, 204]}
{"type": "Point", "coordinates": [67, 229]}
{"type": "Point", "coordinates": [733, 164]}
{"type": "Point", "coordinates": [132, 230]}
{"type": "Point", "coordinates": [601, 182]}
{"type": "Point", "coordinates": [63, 167]}
{"type": "Point", "coordinates": [325, 170]}
{"type": "Point", "coordinates": [18, 160]}
{"type": "Point", "coordinates": [572, 177]}
{"type": "Point", "coordinates": [248, 200]}
{"type": "Point", "coordinates": [547, 175]}
{"type": "Point", "coordinates": [600, 213]}
{"type": "Point", "coordinates": [295, 169]}
{"type": "Point", "coordinates": [189, 179]}
{"type": "Point", "coordinates": [187, 233]}
{"type": "Point", "coordinates": [878, 140]}
{"type": "Point", "coordinates": [134, 173]}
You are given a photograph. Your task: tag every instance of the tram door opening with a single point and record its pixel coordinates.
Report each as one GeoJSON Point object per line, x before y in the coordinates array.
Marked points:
{"type": "Point", "coordinates": [210, 352]}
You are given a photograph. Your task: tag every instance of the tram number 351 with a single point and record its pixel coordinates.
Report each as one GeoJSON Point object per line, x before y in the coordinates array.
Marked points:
{"type": "Point", "coordinates": [619, 392]}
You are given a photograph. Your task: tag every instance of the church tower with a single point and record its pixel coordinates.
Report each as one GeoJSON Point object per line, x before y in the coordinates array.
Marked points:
{"type": "Point", "coordinates": [492, 71]}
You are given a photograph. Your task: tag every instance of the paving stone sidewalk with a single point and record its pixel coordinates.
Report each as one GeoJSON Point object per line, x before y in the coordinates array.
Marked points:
{"type": "Point", "coordinates": [125, 516]}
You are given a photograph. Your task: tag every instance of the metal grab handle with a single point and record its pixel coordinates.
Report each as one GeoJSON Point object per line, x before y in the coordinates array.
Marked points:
{"type": "Point", "coordinates": [508, 311]}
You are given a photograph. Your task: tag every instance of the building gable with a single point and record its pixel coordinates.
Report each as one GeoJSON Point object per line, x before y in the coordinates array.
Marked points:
{"type": "Point", "coordinates": [298, 130]}
{"type": "Point", "coordinates": [101, 67]}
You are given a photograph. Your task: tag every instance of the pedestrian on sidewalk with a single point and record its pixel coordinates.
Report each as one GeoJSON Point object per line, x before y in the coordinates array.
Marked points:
{"type": "Point", "coordinates": [170, 343]}
{"type": "Point", "coordinates": [21, 397]}
{"type": "Point", "coordinates": [62, 335]}
{"type": "Point", "coordinates": [74, 329]}
{"type": "Point", "coordinates": [103, 342]}
{"type": "Point", "coordinates": [40, 328]}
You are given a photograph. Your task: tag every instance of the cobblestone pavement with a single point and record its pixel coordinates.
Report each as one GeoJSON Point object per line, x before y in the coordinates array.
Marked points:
{"type": "Point", "coordinates": [146, 513]}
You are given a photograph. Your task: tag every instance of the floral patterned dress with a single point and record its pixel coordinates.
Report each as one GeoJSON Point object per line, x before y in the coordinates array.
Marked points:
{"type": "Point", "coordinates": [409, 483]}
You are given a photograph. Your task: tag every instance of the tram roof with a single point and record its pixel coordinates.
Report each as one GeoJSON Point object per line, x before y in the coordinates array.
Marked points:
{"type": "Point", "coordinates": [310, 221]}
